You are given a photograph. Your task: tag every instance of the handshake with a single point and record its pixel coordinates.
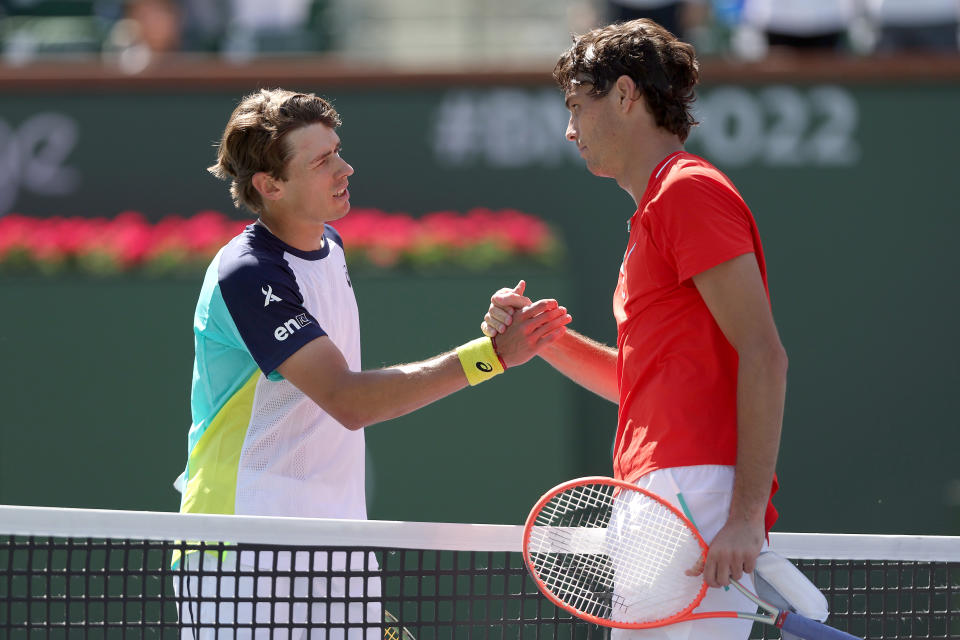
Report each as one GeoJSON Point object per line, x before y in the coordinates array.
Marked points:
{"type": "Point", "coordinates": [519, 328]}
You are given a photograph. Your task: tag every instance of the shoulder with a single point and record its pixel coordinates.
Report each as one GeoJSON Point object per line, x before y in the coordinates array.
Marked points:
{"type": "Point", "coordinates": [253, 267]}
{"type": "Point", "coordinates": [693, 174]}
{"type": "Point", "coordinates": [252, 254]}
{"type": "Point", "coordinates": [690, 184]}
{"type": "Point", "coordinates": [333, 235]}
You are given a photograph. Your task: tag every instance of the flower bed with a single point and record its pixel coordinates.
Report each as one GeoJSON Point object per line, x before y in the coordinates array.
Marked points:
{"type": "Point", "coordinates": [477, 240]}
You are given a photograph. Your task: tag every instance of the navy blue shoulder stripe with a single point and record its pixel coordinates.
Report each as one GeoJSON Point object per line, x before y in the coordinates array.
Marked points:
{"type": "Point", "coordinates": [334, 235]}
{"type": "Point", "coordinates": [263, 297]}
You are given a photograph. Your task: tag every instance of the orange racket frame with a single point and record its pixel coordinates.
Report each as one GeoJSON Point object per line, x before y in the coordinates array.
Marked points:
{"type": "Point", "coordinates": [684, 614]}
{"type": "Point", "coordinates": [785, 620]}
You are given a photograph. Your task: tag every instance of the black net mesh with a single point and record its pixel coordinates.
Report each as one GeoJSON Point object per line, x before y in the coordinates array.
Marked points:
{"type": "Point", "coordinates": [64, 587]}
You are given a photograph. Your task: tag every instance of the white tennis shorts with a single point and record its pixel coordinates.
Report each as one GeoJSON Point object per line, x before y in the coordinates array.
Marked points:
{"type": "Point", "coordinates": [706, 491]}
{"type": "Point", "coordinates": [297, 603]}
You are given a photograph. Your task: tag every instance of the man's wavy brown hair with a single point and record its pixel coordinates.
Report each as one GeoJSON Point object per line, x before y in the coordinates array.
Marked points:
{"type": "Point", "coordinates": [254, 139]}
{"type": "Point", "coordinates": [664, 68]}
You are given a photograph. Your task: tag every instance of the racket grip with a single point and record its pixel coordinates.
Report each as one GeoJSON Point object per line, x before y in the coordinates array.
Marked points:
{"type": "Point", "coordinates": [811, 629]}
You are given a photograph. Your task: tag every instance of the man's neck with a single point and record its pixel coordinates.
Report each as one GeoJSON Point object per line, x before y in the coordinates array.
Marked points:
{"type": "Point", "coordinates": [306, 237]}
{"type": "Point", "coordinates": [640, 165]}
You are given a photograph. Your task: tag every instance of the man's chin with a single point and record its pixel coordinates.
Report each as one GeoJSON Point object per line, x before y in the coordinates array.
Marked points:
{"type": "Point", "coordinates": [598, 171]}
{"type": "Point", "coordinates": [341, 212]}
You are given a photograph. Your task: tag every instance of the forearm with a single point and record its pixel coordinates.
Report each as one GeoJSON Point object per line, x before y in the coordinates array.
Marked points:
{"type": "Point", "coordinates": [761, 388]}
{"type": "Point", "coordinates": [367, 397]}
{"type": "Point", "coordinates": [588, 363]}
{"type": "Point", "coordinates": [357, 399]}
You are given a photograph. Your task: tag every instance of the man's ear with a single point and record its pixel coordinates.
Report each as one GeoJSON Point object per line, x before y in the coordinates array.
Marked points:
{"type": "Point", "coordinates": [269, 187]}
{"type": "Point", "coordinates": [627, 91]}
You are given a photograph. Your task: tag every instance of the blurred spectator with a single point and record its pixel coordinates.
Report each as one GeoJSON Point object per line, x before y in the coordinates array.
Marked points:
{"type": "Point", "coordinates": [686, 19]}
{"type": "Point", "coordinates": [148, 29]}
{"type": "Point", "coordinates": [915, 25]}
{"type": "Point", "coordinates": [793, 26]}
{"type": "Point", "coordinates": [204, 23]}
{"type": "Point", "coordinates": [257, 26]}
{"type": "Point", "coordinates": [158, 22]}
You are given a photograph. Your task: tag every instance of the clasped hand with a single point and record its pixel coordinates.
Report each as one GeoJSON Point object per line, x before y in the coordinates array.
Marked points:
{"type": "Point", "coordinates": [521, 328]}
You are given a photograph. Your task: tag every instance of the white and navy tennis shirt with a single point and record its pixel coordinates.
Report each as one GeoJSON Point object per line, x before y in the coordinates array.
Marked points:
{"type": "Point", "coordinates": [258, 445]}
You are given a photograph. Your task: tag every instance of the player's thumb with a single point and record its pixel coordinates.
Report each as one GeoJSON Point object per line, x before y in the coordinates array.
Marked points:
{"type": "Point", "coordinates": [520, 287]}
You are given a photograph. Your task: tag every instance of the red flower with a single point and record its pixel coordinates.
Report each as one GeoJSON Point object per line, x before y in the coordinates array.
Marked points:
{"type": "Point", "coordinates": [477, 239]}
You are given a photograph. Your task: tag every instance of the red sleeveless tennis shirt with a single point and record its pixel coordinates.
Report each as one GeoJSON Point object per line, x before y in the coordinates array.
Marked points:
{"type": "Point", "coordinates": [677, 372]}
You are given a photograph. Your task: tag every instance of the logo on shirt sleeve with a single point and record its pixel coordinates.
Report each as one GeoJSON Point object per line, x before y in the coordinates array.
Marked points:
{"type": "Point", "coordinates": [269, 296]}
{"type": "Point", "coordinates": [290, 327]}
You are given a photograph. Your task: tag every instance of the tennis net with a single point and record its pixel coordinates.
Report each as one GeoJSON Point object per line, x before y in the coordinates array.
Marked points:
{"type": "Point", "coordinates": [79, 573]}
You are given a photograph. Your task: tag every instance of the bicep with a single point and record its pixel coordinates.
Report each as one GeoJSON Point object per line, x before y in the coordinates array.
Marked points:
{"type": "Point", "coordinates": [736, 296]}
{"type": "Point", "coordinates": [319, 370]}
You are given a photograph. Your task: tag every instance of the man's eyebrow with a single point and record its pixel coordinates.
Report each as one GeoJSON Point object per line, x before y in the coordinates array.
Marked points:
{"type": "Point", "coordinates": [575, 85]}
{"type": "Point", "coordinates": [325, 154]}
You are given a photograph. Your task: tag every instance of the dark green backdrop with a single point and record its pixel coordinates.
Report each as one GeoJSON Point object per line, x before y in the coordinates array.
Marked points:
{"type": "Point", "coordinates": [98, 416]}
{"type": "Point", "coordinates": [854, 187]}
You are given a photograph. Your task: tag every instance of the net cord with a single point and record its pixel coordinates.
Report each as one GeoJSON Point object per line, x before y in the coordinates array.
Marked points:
{"type": "Point", "coordinates": [281, 531]}
{"type": "Point", "coordinates": [154, 525]}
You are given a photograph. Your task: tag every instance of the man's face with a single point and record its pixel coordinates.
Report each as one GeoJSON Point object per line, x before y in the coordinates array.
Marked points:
{"type": "Point", "coordinates": [316, 184]}
{"type": "Point", "coordinates": [592, 127]}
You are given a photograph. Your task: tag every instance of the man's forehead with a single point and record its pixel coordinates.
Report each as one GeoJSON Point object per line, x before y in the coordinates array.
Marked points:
{"type": "Point", "coordinates": [581, 79]}
{"type": "Point", "coordinates": [316, 133]}
{"type": "Point", "coordinates": [313, 141]}
{"type": "Point", "coordinates": [578, 87]}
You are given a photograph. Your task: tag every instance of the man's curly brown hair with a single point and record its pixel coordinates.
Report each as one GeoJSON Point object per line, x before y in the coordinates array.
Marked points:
{"type": "Point", "coordinates": [664, 68]}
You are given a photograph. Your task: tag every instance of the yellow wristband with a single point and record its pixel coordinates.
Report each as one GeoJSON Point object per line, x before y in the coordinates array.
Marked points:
{"type": "Point", "coordinates": [479, 360]}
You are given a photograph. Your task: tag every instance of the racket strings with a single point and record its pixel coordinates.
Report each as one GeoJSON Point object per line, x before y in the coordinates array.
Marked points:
{"type": "Point", "coordinates": [569, 560]}
{"type": "Point", "coordinates": [615, 554]}
{"type": "Point", "coordinates": [648, 546]}
{"type": "Point", "coordinates": [582, 592]}
{"type": "Point", "coordinates": [651, 550]}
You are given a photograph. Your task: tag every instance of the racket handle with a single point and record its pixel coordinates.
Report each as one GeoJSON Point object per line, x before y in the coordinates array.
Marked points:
{"type": "Point", "coordinates": [811, 629]}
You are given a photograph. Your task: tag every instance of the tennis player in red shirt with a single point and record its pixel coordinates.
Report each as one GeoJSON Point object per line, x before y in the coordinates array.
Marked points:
{"type": "Point", "coordinates": [699, 372]}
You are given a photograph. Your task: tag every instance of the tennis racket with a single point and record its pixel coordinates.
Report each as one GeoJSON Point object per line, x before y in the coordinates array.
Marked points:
{"type": "Point", "coordinates": [615, 555]}
{"type": "Point", "coordinates": [395, 633]}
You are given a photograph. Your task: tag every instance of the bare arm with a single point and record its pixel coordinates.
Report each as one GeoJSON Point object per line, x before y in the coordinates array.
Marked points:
{"type": "Point", "coordinates": [735, 295]}
{"type": "Point", "coordinates": [357, 399]}
{"type": "Point", "coordinates": [588, 363]}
